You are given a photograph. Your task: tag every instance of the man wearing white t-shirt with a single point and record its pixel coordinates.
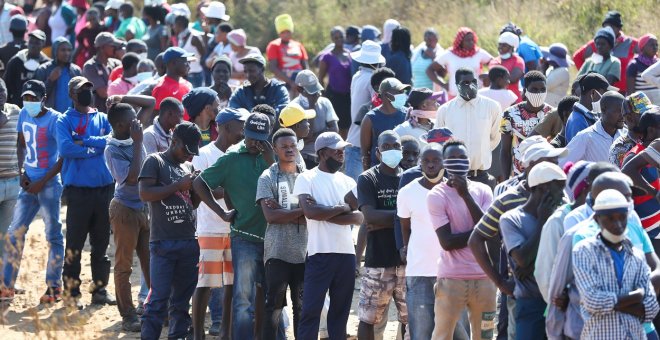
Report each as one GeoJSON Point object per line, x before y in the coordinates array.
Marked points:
{"type": "Point", "coordinates": [330, 264]}
{"type": "Point", "coordinates": [215, 267]}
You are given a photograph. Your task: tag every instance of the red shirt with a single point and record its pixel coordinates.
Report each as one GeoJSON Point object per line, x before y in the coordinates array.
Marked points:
{"type": "Point", "coordinates": [116, 73]}
{"type": "Point", "coordinates": [289, 56]}
{"type": "Point", "coordinates": [512, 63]}
{"type": "Point", "coordinates": [168, 87]}
{"type": "Point", "coordinates": [624, 48]}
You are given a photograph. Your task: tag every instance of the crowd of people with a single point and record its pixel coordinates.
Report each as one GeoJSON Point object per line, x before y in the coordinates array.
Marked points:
{"type": "Point", "coordinates": [489, 197]}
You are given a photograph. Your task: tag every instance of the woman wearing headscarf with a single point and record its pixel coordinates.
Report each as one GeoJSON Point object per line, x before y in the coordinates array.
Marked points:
{"type": "Point", "coordinates": [509, 59]}
{"type": "Point", "coordinates": [286, 57]}
{"type": "Point", "coordinates": [463, 53]}
{"type": "Point", "coordinates": [635, 105]}
{"type": "Point", "coordinates": [239, 49]}
{"type": "Point", "coordinates": [603, 62]}
{"type": "Point", "coordinates": [648, 47]}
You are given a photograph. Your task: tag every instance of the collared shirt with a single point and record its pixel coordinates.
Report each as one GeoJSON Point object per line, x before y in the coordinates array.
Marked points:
{"type": "Point", "coordinates": [580, 119]}
{"type": "Point", "coordinates": [155, 138]}
{"type": "Point", "coordinates": [620, 148]}
{"type": "Point", "coordinates": [475, 122]}
{"type": "Point", "coordinates": [489, 224]}
{"type": "Point", "coordinates": [599, 288]}
{"type": "Point", "coordinates": [551, 233]}
{"type": "Point", "coordinates": [361, 93]}
{"type": "Point", "coordinates": [592, 144]}
{"type": "Point", "coordinates": [576, 216]}
{"type": "Point", "coordinates": [99, 75]}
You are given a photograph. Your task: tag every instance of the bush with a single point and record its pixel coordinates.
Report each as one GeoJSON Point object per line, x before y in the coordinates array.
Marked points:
{"type": "Point", "coordinates": [572, 22]}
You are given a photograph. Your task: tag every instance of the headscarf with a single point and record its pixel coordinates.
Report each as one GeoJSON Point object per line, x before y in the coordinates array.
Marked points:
{"type": "Point", "coordinates": [283, 22]}
{"type": "Point", "coordinates": [237, 37]}
{"type": "Point", "coordinates": [640, 102]}
{"type": "Point", "coordinates": [456, 47]}
{"type": "Point", "coordinates": [388, 27]}
{"type": "Point", "coordinates": [643, 40]}
{"type": "Point", "coordinates": [509, 39]}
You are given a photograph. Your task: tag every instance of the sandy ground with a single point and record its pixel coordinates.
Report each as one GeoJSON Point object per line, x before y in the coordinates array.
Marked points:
{"type": "Point", "coordinates": [26, 319]}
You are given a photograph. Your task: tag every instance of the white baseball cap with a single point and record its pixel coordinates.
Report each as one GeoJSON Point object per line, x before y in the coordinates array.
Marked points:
{"type": "Point", "coordinates": [216, 10]}
{"type": "Point", "coordinates": [369, 54]}
{"type": "Point", "coordinates": [542, 150]}
{"type": "Point", "coordinates": [610, 200]}
{"type": "Point", "coordinates": [545, 172]}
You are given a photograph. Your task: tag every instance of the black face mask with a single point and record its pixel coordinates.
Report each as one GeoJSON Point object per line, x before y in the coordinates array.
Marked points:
{"type": "Point", "coordinates": [85, 98]}
{"type": "Point", "coordinates": [333, 164]}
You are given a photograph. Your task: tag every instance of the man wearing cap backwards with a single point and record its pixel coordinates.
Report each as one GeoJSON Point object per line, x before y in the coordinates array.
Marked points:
{"type": "Point", "coordinates": [585, 113]}
{"type": "Point", "coordinates": [237, 172]}
{"type": "Point", "coordinates": [645, 175]}
{"type": "Point", "coordinates": [40, 188]}
{"type": "Point", "coordinates": [98, 69]}
{"type": "Point", "coordinates": [296, 118]}
{"type": "Point", "coordinates": [475, 120]}
{"type": "Point", "coordinates": [330, 263]}
{"type": "Point", "coordinates": [486, 234]}
{"type": "Point", "coordinates": [613, 301]}
{"type": "Point", "coordinates": [384, 275]}
{"type": "Point", "coordinates": [82, 132]}
{"type": "Point", "coordinates": [385, 117]}
{"type": "Point", "coordinates": [625, 47]}
{"type": "Point", "coordinates": [521, 230]}
{"type": "Point", "coordinates": [17, 26]}
{"type": "Point", "coordinates": [22, 66]}
{"type": "Point", "coordinates": [203, 106]}
{"type": "Point", "coordinates": [56, 74]}
{"type": "Point", "coordinates": [311, 98]}
{"type": "Point", "coordinates": [259, 89]}
{"type": "Point", "coordinates": [165, 182]}
{"type": "Point", "coordinates": [286, 57]}
{"type": "Point", "coordinates": [454, 207]}
{"type": "Point", "coordinates": [215, 268]}
{"type": "Point", "coordinates": [173, 84]}
{"type": "Point", "coordinates": [593, 143]}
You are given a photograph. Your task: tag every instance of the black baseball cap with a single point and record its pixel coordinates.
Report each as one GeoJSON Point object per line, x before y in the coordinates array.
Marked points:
{"type": "Point", "coordinates": [595, 81]}
{"type": "Point", "coordinates": [34, 88]}
{"type": "Point", "coordinates": [257, 126]}
{"type": "Point", "coordinates": [190, 135]}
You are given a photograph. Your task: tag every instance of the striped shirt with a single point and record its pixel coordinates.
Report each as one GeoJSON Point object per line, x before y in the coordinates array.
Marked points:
{"type": "Point", "coordinates": [646, 206]}
{"type": "Point", "coordinates": [489, 224]}
{"type": "Point", "coordinates": [599, 288]}
{"type": "Point", "coordinates": [8, 139]}
{"type": "Point", "coordinates": [508, 184]}
{"type": "Point", "coordinates": [591, 144]}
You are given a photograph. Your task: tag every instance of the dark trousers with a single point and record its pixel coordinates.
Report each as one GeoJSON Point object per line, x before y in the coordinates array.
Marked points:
{"type": "Point", "coordinates": [530, 322]}
{"type": "Point", "coordinates": [327, 272]}
{"type": "Point", "coordinates": [87, 213]}
{"type": "Point", "coordinates": [279, 275]}
{"type": "Point", "coordinates": [173, 270]}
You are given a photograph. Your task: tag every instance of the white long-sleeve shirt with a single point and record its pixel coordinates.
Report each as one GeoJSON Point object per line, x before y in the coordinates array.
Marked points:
{"type": "Point", "coordinates": [558, 81]}
{"type": "Point", "coordinates": [591, 144]}
{"type": "Point", "coordinates": [476, 123]}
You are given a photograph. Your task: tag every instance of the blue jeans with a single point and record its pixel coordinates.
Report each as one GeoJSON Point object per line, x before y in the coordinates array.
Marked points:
{"type": "Point", "coordinates": [215, 304]}
{"type": "Point", "coordinates": [9, 188]}
{"type": "Point", "coordinates": [352, 162]}
{"type": "Point", "coordinates": [420, 299]}
{"type": "Point", "coordinates": [248, 261]}
{"type": "Point", "coordinates": [196, 79]}
{"type": "Point", "coordinates": [530, 322]}
{"type": "Point", "coordinates": [48, 200]}
{"type": "Point", "coordinates": [144, 289]}
{"type": "Point", "coordinates": [327, 272]}
{"type": "Point", "coordinates": [173, 267]}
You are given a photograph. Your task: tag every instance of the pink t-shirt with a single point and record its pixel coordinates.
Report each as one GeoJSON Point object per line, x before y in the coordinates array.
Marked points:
{"type": "Point", "coordinates": [119, 87]}
{"type": "Point", "coordinates": [447, 207]}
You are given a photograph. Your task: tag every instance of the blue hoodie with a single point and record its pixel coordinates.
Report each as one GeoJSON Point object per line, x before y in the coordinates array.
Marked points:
{"type": "Point", "coordinates": [84, 165]}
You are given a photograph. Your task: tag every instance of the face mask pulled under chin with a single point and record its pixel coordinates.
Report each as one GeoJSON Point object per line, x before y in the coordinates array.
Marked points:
{"type": "Point", "coordinates": [435, 179]}
{"type": "Point", "coordinates": [612, 237]}
{"type": "Point", "coordinates": [595, 105]}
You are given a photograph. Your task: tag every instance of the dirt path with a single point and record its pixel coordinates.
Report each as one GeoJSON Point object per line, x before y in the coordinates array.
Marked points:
{"type": "Point", "coordinates": [26, 319]}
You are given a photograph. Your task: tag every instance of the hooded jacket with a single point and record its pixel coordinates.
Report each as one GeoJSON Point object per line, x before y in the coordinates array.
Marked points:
{"type": "Point", "coordinates": [43, 72]}
{"type": "Point", "coordinates": [84, 165]}
{"type": "Point", "coordinates": [16, 75]}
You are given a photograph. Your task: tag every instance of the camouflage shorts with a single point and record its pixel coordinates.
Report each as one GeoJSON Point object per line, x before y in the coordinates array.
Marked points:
{"type": "Point", "coordinates": [379, 286]}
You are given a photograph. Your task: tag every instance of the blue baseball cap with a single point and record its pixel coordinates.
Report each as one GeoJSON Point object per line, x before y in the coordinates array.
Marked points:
{"type": "Point", "coordinates": [177, 52]}
{"type": "Point", "coordinates": [228, 114]}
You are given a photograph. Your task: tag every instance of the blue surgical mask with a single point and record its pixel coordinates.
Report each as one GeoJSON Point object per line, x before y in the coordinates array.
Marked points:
{"type": "Point", "coordinates": [399, 101]}
{"type": "Point", "coordinates": [32, 108]}
{"type": "Point", "coordinates": [391, 158]}
{"type": "Point", "coordinates": [108, 21]}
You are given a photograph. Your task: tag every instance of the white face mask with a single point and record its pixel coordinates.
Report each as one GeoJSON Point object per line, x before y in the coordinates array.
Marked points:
{"type": "Point", "coordinates": [597, 58]}
{"type": "Point", "coordinates": [536, 99]}
{"type": "Point", "coordinates": [595, 105]}
{"type": "Point", "coordinates": [505, 55]}
{"type": "Point", "coordinates": [31, 65]}
{"type": "Point", "coordinates": [611, 237]}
